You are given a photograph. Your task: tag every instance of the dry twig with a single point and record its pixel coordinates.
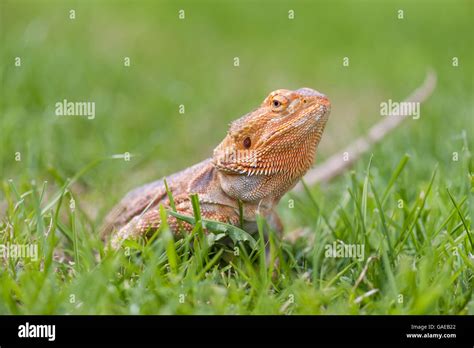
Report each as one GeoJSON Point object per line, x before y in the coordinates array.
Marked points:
{"type": "Point", "coordinates": [336, 165]}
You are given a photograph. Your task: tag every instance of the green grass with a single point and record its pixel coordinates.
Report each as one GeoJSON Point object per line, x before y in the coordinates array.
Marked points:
{"type": "Point", "coordinates": [409, 203]}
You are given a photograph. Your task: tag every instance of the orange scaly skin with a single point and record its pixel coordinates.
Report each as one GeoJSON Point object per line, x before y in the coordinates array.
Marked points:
{"type": "Point", "coordinates": [262, 157]}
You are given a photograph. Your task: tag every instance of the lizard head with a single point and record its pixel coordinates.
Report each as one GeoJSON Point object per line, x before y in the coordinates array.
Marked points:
{"type": "Point", "coordinates": [268, 150]}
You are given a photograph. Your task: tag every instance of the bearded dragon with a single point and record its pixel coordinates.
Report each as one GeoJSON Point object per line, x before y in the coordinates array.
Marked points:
{"type": "Point", "coordinates": [264, 154]}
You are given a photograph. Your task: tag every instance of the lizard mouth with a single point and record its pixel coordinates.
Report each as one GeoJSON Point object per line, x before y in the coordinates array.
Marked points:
{"type": "Point", "coordinates": [322, 108]}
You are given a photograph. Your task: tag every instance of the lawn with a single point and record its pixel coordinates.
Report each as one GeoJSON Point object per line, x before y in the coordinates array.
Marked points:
{"type": "Point", "coordinates": [165, 89]}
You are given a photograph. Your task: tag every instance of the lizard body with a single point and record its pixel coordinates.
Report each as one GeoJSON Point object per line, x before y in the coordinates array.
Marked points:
{"type": "Point", "coordinates": [264, 155]}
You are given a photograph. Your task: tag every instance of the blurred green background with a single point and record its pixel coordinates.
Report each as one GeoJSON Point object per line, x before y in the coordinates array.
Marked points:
{"type": "Point", "coordinates": [190, 62]}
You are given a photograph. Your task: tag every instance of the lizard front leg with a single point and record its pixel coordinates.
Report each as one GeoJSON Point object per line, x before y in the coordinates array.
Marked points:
{"type": "Point", "coordinates": [150, 221]}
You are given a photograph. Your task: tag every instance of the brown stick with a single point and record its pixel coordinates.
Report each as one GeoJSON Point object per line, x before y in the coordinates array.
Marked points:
{"type": "Point", "coordinates": [336, 165]}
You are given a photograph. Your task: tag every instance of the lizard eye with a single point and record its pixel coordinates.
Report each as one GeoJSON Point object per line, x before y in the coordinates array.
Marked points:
{"type": "Point", "coordinates": [247, 142]}
{"type": "Point", "coordinates": [279, 103]}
